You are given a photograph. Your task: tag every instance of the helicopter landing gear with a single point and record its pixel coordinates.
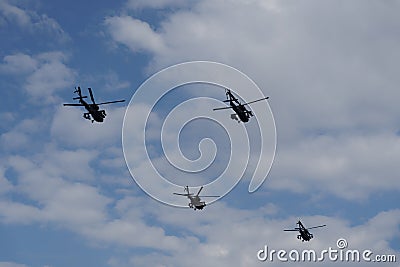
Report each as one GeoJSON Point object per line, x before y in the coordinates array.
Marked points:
{"type": "Point", "coordinates": [191, 205]}
{"type": "Point", "coordinates": [235, 117]}
{"type": "Point", "coordinates": [87, 116]}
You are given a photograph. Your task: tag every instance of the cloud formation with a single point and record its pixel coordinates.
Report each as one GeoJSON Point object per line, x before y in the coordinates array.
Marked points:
{"type": "Point", "coordinates": [332, 89]}
{"type": "Point", "coordinates": [135, 34]}
{"type": "Point", "coordinates": [43, 74]}
{"type": "Point", "coordinates": [30, 21]}
{"type": "Point", "coordinates": [330, 69]}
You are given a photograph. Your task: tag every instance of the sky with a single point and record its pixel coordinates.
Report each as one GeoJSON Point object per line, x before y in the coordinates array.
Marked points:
{"type": "Point", "coordinates": [67, 196]}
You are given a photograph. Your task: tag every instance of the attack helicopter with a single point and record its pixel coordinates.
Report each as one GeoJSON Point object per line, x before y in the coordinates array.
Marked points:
{"type": "Point", "coordinates": [94, 113]}
{"type": "Point", "coordinates": [195, 201]}
{"type": "Point", "coordinates": [241, 112]}
{"type": "Point", "coordinates": [304, 234]}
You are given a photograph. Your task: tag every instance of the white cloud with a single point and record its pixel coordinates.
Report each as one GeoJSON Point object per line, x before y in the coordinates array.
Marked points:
{"type": "Point", "coordinates": [51, 75]}
{"type": "Point", "coordinates": [43, 74]}
{"type": "Point", "coordinates": [5, 185]}
{"type": "Point", "coordinates": [113, 82]}
{"type": "Point", "coordinates": [156, 4]}
{"type": "Point", "coordinates": [70, 128]}
{"type": "Point", "coordinates": [325, 76]}
{"type": "Point", "coordinates": [76, 205]}
{"type": "Point", "coordinates": [233, 239]}
{"type": "Point", "coordinates": [21, 135]}
{"type": "Point", "coordinates": [7, 116]}
{"type": "Point", "coordinates": [12, 212]}
{"type": "Point", "coordinates": [14, 13]}
{"type": "Point", "coordinates": [120, 232]}
{"type": "Point", "coordinates": [135, 34]}
{"type": "Point", "coordinates": [11, 264]}
{"type": "Point", "coordinates": [219, 234]}
{"type": "Point", "coordinates": [351, 167]}
{"type": "Point", "coordinates": [304, 57]}
{"type": "Point", "coordinates": [18, 64]}
{"type": "Point", "coordinates": [77, 162]}
{"type": "Point", "coordinates": [51, 198]}
{"type": "Point", "coordinates": [31, 21]}
{"type": "Point", "coordinates": [14, 140]}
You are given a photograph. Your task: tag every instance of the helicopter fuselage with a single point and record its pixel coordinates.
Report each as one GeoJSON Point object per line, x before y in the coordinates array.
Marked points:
{"type": "Point", "coordinates": [242, 114]}
{"type": "Point", "coordinates": [195, 200]}
{"type": "Point", "coordinates": [196, 203]}
{"type": "Point", "coordinates": [241, 111]}
{"type": "Point", "coordinates": [305, 235]}
{"type": "Point", "coordinates": [94, 111]}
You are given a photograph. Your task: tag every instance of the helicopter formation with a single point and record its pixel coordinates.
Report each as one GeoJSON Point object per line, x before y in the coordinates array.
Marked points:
{"type": "Point", "coordinates": [242, 114]}
{"type": "Point", "coordinates": [95, 114]}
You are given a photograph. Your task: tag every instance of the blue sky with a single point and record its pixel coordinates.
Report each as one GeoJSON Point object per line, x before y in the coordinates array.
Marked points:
{"type": "Point", "coordinates": [67, 197]}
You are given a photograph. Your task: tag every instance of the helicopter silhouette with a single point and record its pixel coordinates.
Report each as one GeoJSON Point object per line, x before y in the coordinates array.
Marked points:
{"type": "Point", "coordinates": [241, 113]}
{"type": "Point", "coordinates": [195, 201]}
{"type": "Point", "coordinates": [94, 113]}
{"type": "Point", "coordinates": [304, 234]}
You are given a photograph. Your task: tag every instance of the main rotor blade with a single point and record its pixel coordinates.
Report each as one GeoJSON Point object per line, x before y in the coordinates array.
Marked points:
{"type": "Point", "coordinates": [179, 194]}
{"type": "Point", "coordinates": [91, 95]}
{"type": "Point", "coordinates": [290, 230]}
{"type": "Point", "coordinates": [317, 226]}
{"type": "Point", "coordinates": [256, 100]}
{"type": "Point", "coordinates": [110, 102]}
{"type": "Point", "coordinates": [221, 108]}
{"type": "Point", "coordinates": [208, 196]}
{"type": "Point", "coordinates": [201, 188]}
{"type": "Point", "coordinates": [73, 105]}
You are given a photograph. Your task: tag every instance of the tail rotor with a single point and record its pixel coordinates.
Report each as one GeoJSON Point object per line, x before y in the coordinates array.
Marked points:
{"type": "Point", "coordinates": [79, 92]}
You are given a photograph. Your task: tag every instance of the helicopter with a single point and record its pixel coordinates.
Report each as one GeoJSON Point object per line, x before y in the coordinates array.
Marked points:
{"type": "Point", "coordinates": [94, 113]}
{"type": "Point", "coordinates": [241, 113]}
{"type": "Point", "coordinates": [195, 201]}
{"type": "Point", "coordinates": [304, 234]}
